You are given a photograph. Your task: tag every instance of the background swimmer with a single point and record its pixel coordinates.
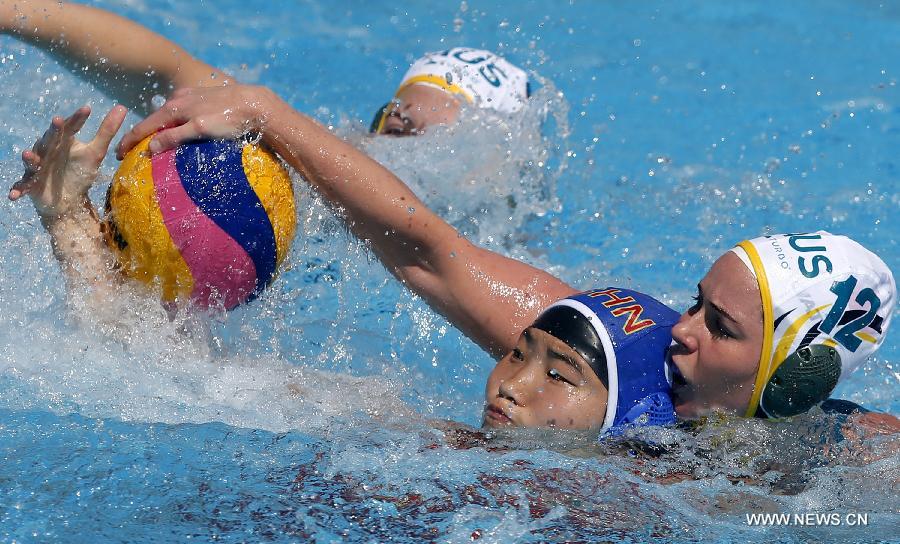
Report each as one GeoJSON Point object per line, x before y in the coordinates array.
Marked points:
{"type": "Point", "coordinates": [433, 89]}
{"type": "Point", "coordinates": [490, 297]}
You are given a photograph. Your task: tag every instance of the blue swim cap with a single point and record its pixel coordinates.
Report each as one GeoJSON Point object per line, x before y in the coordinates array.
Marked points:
{"type": "Point", "coordinates": [623, 335]}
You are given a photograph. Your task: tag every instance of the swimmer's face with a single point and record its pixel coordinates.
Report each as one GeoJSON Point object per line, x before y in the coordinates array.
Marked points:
{"type": "Point", "coordinates": [543, 382]}
{"type": "Point", "coordinates": [718, 342]}
{"type": "Point", "coordinates": [417, 107]}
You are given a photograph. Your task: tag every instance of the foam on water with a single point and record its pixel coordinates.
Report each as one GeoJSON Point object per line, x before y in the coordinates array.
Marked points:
{"type": "Point", "coordinates": [140, 366]}
{"type": "Point", "coordinates": [488, 173]}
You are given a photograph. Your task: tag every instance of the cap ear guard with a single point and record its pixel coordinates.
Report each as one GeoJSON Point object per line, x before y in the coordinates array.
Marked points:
{"type": "Point", "coordinates": [653, 410]}
{"type": "Point", "coordinates": [802, 381]}
{"type": "Point", "coordinates": [378, 119]}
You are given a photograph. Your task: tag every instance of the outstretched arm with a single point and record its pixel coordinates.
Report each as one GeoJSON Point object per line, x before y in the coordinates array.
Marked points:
{"type": "Point", "coordinates": [128, 61]}
{"type": "Point", "coordinates": [489, 297]}
{"type": "Point", "coordinates": [59, 171]}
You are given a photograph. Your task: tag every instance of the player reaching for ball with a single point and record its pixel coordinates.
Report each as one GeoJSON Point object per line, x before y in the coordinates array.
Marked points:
{"type": "Point", "coordinates": [588, 375]}
{"type": "Point", "coordinates": [208, 222]}
{"type": "Point", "coordinates": [484, 294]}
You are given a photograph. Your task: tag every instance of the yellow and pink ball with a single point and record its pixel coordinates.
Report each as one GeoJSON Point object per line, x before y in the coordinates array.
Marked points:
{"type": "Point", "coordinates": [209, 221]}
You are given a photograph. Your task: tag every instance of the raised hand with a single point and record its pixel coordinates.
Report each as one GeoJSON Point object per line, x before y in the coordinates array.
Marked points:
{"type": "Point", "coordinates": [59, 170]}
{"type": "Point", "coordinates": [202, 112]}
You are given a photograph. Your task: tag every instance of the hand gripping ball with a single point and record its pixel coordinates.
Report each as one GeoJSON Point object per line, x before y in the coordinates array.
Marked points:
{"type": "Point", "coordinates": [209, 221]}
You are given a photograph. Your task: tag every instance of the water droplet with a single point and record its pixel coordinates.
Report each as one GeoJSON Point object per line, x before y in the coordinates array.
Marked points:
{"type": "Point", "coordinates": [157, 101]}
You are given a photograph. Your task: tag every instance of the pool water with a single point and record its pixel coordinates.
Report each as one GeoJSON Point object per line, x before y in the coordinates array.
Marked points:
{"type": "Point", "coordinates": [659, 135]}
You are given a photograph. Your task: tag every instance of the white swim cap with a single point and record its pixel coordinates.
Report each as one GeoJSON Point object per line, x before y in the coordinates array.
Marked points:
{"type": "Point", "coordinates": [481, 77]}
{"type": "Point", "coordinates": [825, 298]}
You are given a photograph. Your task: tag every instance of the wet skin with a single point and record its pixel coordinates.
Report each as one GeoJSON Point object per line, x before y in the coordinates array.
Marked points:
{"type": "Point", "coordinates": [718, 342]}
{"type": "Point", "coordinates": [417, 107]}
{"type": "Point", "coordinates": [543, 382]}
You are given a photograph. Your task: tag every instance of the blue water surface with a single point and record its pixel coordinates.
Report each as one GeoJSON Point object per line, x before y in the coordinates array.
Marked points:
{"type": "Point", "coordinates": [668, 131]}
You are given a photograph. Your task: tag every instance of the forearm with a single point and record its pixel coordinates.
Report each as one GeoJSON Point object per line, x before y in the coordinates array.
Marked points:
{"type": "Point", "coordinates": [378, 207]}
{"type": "Point", "coordinates": [129, 61]}
{"type": "Point", "coordinates": [79, 246]}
